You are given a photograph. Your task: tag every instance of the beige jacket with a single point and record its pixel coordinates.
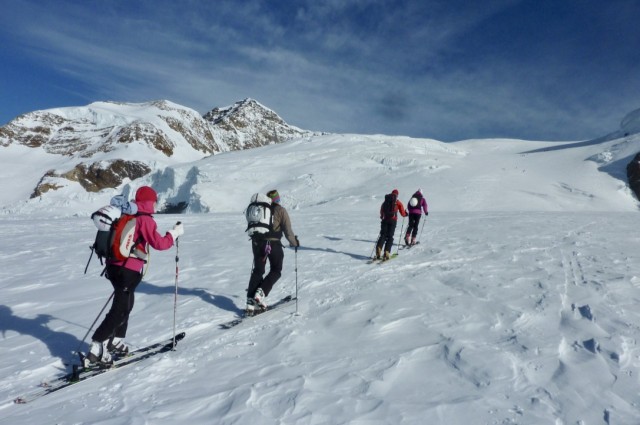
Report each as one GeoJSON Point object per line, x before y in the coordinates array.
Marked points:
{"type": "Point", "coordinates": [282, 225]}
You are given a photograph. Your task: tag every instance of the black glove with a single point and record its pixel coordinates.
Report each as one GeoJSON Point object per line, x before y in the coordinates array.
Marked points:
{"type": "Point", "coordinates": [297, 243]}
{"type": "Point", "coordinates": [427, 213]}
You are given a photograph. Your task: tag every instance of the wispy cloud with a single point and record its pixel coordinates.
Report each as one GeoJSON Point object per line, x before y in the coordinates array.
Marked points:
{"type": "Point", "coordinates": [435, 68]}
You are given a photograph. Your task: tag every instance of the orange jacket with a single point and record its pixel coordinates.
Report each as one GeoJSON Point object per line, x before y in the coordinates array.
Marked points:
{"type": "Point", "coordinates": [401, 210]}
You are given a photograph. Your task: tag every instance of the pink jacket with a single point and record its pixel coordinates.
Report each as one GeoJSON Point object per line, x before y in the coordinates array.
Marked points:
{"type": "Point", "coordinates": [147, 229]}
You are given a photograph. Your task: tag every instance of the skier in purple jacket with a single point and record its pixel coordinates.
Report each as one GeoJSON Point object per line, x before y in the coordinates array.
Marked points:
{"type": "Point", "coordinates": [416, 205]}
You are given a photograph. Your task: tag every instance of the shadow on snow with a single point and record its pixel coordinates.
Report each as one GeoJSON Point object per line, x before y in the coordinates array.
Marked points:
{"type": "Point", "coordinates": [222, 302]}
{"type": "Point", "coordinates": [60, 344]}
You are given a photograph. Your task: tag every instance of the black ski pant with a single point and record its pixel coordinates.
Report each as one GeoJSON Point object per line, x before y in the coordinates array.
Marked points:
{"type": "Point", "coordinates": [387, 230]}
{"type": "Point", "coordinates": [414, 221]}
{"type": "Point", "coordinates": [264, 250]}
{"type": "Point", "coordinates": [124, 282]}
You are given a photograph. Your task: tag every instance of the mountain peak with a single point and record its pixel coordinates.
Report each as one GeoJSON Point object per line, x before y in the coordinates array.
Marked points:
{"type": "Point", "coordinates": [248, 123]}
{"type": "Point", "coordinates": [243, 109]}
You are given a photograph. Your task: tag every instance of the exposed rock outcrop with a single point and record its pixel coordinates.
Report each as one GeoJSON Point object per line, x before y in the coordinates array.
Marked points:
{"type": "Point", "coordinates": [95, 176]}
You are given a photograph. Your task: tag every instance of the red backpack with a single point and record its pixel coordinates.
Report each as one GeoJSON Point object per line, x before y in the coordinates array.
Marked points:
{"type": "Point", "coordinates": [114, 239]}
{"type": "Point", "coordinates": [122, 243]}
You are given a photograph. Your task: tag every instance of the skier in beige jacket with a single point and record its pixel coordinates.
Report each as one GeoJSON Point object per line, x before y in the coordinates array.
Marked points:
{"type": "Point", "coordinates": [268, 246]}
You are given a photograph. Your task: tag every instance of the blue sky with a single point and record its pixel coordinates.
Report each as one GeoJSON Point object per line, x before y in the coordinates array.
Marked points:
{"type": "Point", "coordinates": [443, 69]}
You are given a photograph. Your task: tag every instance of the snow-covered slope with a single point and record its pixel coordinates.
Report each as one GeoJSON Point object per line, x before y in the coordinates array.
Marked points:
{"type": "Point", "coordinates": [162, 130]}
{"type": "Point", "coordinates": [519, 306]}
{"type": "Point", "coordinates": [335, 171]}
{"type": "Point", "coordinates": [338, 171]}
{"type": "Point", "coordinates": [495, 318]}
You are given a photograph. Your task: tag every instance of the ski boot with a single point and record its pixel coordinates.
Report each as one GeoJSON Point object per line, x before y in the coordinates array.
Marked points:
{"type": "Point", "coordinates": [98, 356]}
{"type": "Point", "coordinates": [259, 299]}
{"type": "Point", "coordinates": [117, 348]}
{"type": "Point", "coordinates": [250, 308]}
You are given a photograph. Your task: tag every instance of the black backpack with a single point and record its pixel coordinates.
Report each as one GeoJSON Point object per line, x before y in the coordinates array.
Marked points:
{"type": "Point", "coordinates": [389, 206]}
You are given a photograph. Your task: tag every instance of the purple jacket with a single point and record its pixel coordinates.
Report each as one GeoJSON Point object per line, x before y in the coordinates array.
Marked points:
{"type": "Point", "coordinates": [147, 228]}
{"type": "Point", "coordinates": [422, 205]}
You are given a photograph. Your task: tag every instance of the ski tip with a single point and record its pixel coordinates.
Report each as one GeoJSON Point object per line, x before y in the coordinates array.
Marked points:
{"type": "Point", "coordinates": [20, 400]}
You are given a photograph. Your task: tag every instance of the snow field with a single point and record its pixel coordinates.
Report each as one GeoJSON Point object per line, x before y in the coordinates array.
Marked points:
{"type": "Point", "coordinates": [520, 318]}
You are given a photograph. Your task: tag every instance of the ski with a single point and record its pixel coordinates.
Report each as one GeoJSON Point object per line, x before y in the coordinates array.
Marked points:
{"type": "Point", "coordinates": [390, 258]}
{"type": "Point", "coordinates": [81, 373]}
{"type": "Point", "coordinates": [409, 246]}
{"type": "Point", "coordinates": [381, 260]}
{"type": "Point", "coordinates": [275, 306]}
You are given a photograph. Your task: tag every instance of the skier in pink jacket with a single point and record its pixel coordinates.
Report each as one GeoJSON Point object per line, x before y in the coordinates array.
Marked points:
{"type": "Point", "coordinates": [125, 277]}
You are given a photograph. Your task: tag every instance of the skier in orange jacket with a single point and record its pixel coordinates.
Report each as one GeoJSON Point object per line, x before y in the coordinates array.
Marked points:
{"type": "Point", "coordinates": [389, 219]}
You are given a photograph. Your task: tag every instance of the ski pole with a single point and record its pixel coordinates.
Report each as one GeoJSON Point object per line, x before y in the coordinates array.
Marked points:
{"type": "Point", "coordinates": [401, 229]}
{"type": "Point", "coordinates": [422, 228]}
{"type": "Point", "coordinates": [375, 244]}
{"type": "Point", "coordinates": [297, 245]}
{"type": "Point", "coordinates": [90, 257]}
{"type": "Point", "coordinates": [93, 324]}
{"type": "Point", "coordinates": [175, 295]}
